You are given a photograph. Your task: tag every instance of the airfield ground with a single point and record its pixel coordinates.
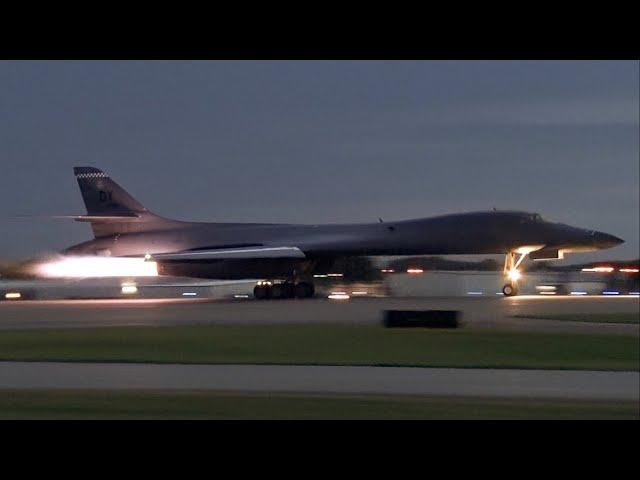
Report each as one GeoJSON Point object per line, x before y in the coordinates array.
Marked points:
{"type": "Point", "coordinates": [192, 405]}
{"type": "Point", "coordinates": [523, 357]}
{"type": "Point", "coordinates": [328, 344]}
{"type": "Point", "coordinates": [527, 313]}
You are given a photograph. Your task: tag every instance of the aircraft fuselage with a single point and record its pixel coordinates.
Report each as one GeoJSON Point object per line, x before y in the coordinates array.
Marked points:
{"type": "Point", "coordinates": [494, 232]}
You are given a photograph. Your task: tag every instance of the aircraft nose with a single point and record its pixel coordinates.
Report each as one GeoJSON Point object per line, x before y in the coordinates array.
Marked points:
{"type": "Point", "coordinates": [605, 240]}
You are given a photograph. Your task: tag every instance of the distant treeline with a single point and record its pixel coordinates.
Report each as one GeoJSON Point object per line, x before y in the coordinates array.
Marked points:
{"type": "Point", "coordinates": [363, 268]}
{"type": "Point", "coordinates": [439, 263]}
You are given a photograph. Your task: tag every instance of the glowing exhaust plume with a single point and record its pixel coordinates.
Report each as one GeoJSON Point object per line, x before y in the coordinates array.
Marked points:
{"type": "Point", "coordinates": [80, 267]}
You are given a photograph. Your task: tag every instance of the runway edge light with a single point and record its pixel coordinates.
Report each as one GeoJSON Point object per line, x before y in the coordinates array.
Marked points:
{"type": "Point", "coordinates": [129, 289]}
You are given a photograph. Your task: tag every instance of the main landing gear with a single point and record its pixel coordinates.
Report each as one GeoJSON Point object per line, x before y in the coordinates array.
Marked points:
{"type": "Point", "coordinates": [269, 290]}
{"type": "Point", "coordinates": [511, 273]}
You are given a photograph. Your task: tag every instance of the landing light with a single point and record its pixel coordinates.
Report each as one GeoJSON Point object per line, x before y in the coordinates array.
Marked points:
{"type": "Point", "coordinates": [13, 295]}
{"type": "Point", "coordinates": [630, 270]}
{"type": "Point", "coordinates": [514, 275]}
{"type": "Point", "coordinates": [414, 270]}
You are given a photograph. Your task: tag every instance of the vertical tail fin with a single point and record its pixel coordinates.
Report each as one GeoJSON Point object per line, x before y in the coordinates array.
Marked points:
{"type": "Point", "coordinates": [103, 196]}
{"type": "Point", "coordinates": [110, 209]}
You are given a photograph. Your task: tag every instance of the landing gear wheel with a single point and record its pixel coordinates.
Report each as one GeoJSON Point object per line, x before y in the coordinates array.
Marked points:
{"type": "Point", "coordinates": [509, 290]}
{"type": "Point", "coordinates": [304, 290]}
{"type": "Point", "coordinates": [289, 290]}
{"type": "Point", "coordinates": [262, 292]}
{"type": "Point", "coordinates": [282, 290]}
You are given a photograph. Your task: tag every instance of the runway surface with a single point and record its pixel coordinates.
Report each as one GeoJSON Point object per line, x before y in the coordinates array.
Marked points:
{"type": "Point", "coordinates": [476, 312]}
{"type": "Point", "coordinates": [325, 379]}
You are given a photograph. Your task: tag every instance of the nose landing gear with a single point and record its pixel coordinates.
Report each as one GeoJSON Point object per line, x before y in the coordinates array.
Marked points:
{"type": "Point", "coordinates": [510, 289]}
{"type": "Point", "coordinates": [511, 273]}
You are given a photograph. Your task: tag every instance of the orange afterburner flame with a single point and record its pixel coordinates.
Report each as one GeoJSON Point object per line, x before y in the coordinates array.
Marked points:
{"type": "Point", "coordinates": [82, 267]}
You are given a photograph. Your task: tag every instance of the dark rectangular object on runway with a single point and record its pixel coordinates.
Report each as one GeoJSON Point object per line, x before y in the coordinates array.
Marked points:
{"type": "Point", "coordinates": [421, 318]}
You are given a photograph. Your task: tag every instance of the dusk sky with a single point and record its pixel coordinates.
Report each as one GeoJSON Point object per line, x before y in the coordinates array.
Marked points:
{"type": "Point", "coordinates": [314, 142]}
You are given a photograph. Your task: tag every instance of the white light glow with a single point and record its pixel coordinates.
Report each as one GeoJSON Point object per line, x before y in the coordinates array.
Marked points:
{"type": "Point", "coordinates": [81, 267]}
{"type": "Point", "coordinates": [12, 295]}
{"type": "Point", "coordinates": [514, 275]}
{"type": "Point", "coordinates": [630, 270]}
{"type": "Point", "coordinates": [579, 293]}
{"type": "Point", "coordinates": [414, 270]}
{"type": "Point", "coordinates": [545, 287]}
{"type": "Point", "coordinates": [526, 249]}
{"type": "Point", "coordinates": [339, 296]}
{"type": "Point", "coordinates": [359, 293]}
{"type": "Point", "coordinates": [334, 274]}
{"type": "Point", "coordinates": [129, 288]}
{"type": "Point", "coordinates": [598, 269]}
{"type": "Point", "coordinates": [189, 294]}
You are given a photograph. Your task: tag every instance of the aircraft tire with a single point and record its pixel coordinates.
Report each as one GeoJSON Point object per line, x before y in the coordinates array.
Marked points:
{"type": "Point", "coordinates": [262, 292]}
{"type": "Point", "coordinates": [509, 290]}
{"type": "Point", "coordinates": [304, 290]}
{"type": "Point", "coordinates": [289, 290]}
{"type": "Point", "coordinates": [280, 290]}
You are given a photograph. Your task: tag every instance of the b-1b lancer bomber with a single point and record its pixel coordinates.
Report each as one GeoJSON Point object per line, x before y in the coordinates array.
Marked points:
{"type": "Point", "coordinates": [285, 256]}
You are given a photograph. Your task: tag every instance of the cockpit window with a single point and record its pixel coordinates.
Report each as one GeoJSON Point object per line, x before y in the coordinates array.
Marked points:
{"type": "Point", "coordinates": [532, 218]}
